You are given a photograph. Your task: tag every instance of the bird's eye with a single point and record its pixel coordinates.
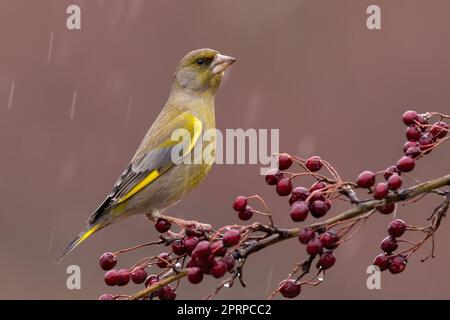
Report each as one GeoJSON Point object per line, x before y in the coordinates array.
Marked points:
{"type": "Point", "coordinates": [200, 62]}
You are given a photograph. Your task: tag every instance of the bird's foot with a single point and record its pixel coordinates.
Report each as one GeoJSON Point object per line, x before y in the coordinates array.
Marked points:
{"type": "Point", "coordinates": [194, 226]}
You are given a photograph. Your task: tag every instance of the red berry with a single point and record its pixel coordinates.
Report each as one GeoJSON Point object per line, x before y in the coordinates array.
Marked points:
{"type": "Point", "coordinates": [231, 237]}
{"type": "Point", "coordinates": [397, 264]}
{"type": "Point", "coordinates": [306, 235]}
{"type": "Point", "coordinates": [111, 278]}
{"type": "Point", "coordinates": [106, 297]}
{"type": "Point", "coordinates": [386, 208]}
{"type": "Point", "coordinates": [138, 276]}
{"type": "Point", "coordinates": [284, 187]}
{"type": "Point", "coordinates": [426, 142]}
{"type": "Point", "coordinates": [314, 164]}
{"type": "Point", "coordinates": [317, 196]}
{"type": "Point", "coordinates": [123, 277]}
{"type": "Point", "coordinates": [218, 249]}
{"type": "Point", "coordinates": [190, 243]}
{"type": "Point", "coordinates": [314, 247]}
{"type": "Point", "coordinates": [151, 280]}
{"type": "Point", "coordinates": [218, 269]}
{"type": "Point", "coordinates": [299, 211]}
{"type": "Point", "coordinates": [366, 179]}
{"type": "Point", "coordinates": [178, 248]}
{"type": "Point", "coordinates": [240, 203]}
{"type": "Point", "coordinates": [405, 164]}
{"type": "Point", "coordinates": [108, 261]}
{"type": "Point", "coordinates": [394, 182]}
{"type": "Point", "coordinates": [410, 117]}
{"type": "Point", "coordinates": [381, 261]}
{"type": "Point", "coordinates": [195, 275]}
{"type": "Point", "coordinates": [326, 260]}
{"type": "Point", "coordinates": [390, 171]}
{"type": "Point", "coordinates": [298, 194]}
{"type": "Point", "coordinates": [439, 130]}
{"type": "Point", "coordinates": [273, 176]}
{"type": "Point", "coordinates": [409, 144]}
{"type": "Point", "coordinates": [413, 133]}
{"type": "Point", "coordinates": [167, 293]}
{"type": "Point", "coordinates": [193, 231]}
{"type": "Point", "coordinates": [397, 228]}
{"type": "Point", "coordinates": [327, 239]}
{"type": "Point", "coordinates": [413, 152]}
{"type": "Point", "coordinates": [246, 214]}
{"type": "Point", "coordinates": [162, 225]}
{"type": "Point", "coordinates": [202, 250]}
{"type": "Point", "coordinates": [284, 161]}
{"type": "Point", "coordinates": [163, 260]}
{"type": "Point", "coordinates": [229, 261]}
{"type": "Point", "coordinates": [381, 190]}
{"type": "Point", "coordinates": [317, 186]}
{"type": "Point", "coordinates": [423, 121]}
{"type": "Point", "coordinates": [318, 208]}
{"type": "Point", "coordinates": [289, 288]}
{"type": "Point", "coordinates": [389, 245]}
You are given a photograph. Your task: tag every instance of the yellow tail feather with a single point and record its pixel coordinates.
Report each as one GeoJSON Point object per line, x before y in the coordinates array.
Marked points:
{"type": "Point", "coordinates": [80, 238]}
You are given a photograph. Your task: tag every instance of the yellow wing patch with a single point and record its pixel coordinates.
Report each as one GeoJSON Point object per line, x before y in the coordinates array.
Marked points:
{"type": "Point", "coordinates": [147, 180]}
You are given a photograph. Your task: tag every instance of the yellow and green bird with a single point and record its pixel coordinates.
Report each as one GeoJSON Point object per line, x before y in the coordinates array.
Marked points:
{"type": "Point", "coordinates": [153, 180]}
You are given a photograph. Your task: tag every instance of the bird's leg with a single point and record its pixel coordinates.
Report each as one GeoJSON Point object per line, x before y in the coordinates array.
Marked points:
{"type": "Point", "coordinates": [186, 224]}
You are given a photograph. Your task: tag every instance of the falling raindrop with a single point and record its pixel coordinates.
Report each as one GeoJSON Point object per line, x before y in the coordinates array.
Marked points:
{"type": "Point", "coordinates": [51, 238]}
{"type": "Point", "coordinates": [11, 94]}
{"type": "Point", "coordinates": [269, 279]}
{"type": "Point", "coordinates": [50, 46]}
{"type": "Point", "coordinates": [130, 102]}
{"type": "Point", "coordinates": [72, 108]}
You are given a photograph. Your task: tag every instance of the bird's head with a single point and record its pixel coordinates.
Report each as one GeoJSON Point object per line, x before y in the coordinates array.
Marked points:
{"type": "Point", "coordinates": [201, 71]}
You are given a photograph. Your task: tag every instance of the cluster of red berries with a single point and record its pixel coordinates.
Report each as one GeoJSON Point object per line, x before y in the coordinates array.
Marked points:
{"type": "Point", "coordinates": [395, 263]}
{"type": "Point", "coordinates": [302, 200]}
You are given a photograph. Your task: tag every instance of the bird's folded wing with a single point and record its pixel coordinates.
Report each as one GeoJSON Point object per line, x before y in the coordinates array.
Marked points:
{"type": "Point", "coordinates": [155, 161]}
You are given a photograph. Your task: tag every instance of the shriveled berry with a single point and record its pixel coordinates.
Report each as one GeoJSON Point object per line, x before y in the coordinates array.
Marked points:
{"type": "Point", "coordinates": [284, 187]}
{"type": "Point", "coordinates": [231, 237]}
{"type": "Point", "coordinates": [273, 176]}
{"type": "Point", "coordinates": [306, 235]}
{"type": "Point", "coordinates": [439, 130]}
{"type": "Point", "coordinates": [366, 179]}
{"type": "Point", "coordinates": [405, 164]}
{"type": "Point", "coordinates": [202, 250]}
{"type": "Point", "coordinates": [152, 279]}
{"type": "Point", "coordinates": [326, 260]}
{"type": "Point", "coordinates": [394, 182]}
{"type": "Point", "coordinates": [246, 214]}
{"type": "Point", "coordinates": [381, 190]}
{"type": "Point", "coordinates": [386, 208]}
{"type": "Point", "coordinates": [111, 277]}
{"type": "Point", "coordinates": [162, 225]}
{"type": "Point", "coordinates": [106, 297]}
{"type": "Point", "coordinates": [123, 277]}
{"type": "Point", "coordinates": [229, 261]}
{"type": "Point", "coordinates": [299, 211]}
{"type": "Point", "coordinates": [314, 247]}
{"type": "Point", "coordinates": [178, 248]}
{"type": "Point", "coordinates": [397, 228]}
{"type": "Point", "coordinates": [410, 117]}
{"type": "Point", "coordinates": [284, 161]}
{"type": "Point", "coordinates": [390, 171]}
{"type": "Point", "coordinates": [167, 293]}
{"type": "Point", "coordinates": [397, 264]}
{"type": "Point", "coordinates": [190, 243]}
{"type": "Point", "coordinates": [426, 142]}
{"type": "Point", "coordinates": [193, 230]}
{"type": "Point", "coordinates": [413, 152]}
{"type": "Point", "coordinates": [195, 275]}
{"type": "Point", "coordinates": [298, 194]}
{"type": "Point", "coordinates": [163, 260]}
{"type": "Point", "coordinates": [108, 260]}
{"type": "Point", "coordinates": [389, 245]}
{"type": "Point", "coordinates": [138, 276]}
{"type": "Point", "coordinates": [314, 164]}
{"type": "Point", "coordinates": [382, 261]}
{"type": "Point", "coordinates": [218, 269]}
{"type": "Point", "coordinates": [413, 133]}
{"type": "Point", "coordinates": [289, 288]}
{"type": "Point", "coordinates": [218, 249]}
{"type": "Point", "coordinates": [240, 203]}
{"type": "Point", "coordinates": [318, 208]}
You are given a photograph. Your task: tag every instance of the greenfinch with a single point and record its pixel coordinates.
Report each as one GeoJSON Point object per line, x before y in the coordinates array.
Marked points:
{"type": "Point", "coordinates": [153, 180]}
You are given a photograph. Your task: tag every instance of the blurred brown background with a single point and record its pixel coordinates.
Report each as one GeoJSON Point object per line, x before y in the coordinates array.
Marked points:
{"type": "Point", "coordinates": [310, 68]}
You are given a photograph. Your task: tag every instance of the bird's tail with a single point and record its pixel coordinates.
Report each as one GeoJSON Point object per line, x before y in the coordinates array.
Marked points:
{"type": "Point", "coordinates": [86, 233]}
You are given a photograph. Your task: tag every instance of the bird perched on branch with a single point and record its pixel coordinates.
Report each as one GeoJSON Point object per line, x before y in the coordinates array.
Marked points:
{"type": "Point", "coordinates": [154, 180]}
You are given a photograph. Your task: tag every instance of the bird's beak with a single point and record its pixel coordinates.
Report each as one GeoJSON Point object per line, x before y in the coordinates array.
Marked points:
{"type": "Point", "coordinates": [221, 63]}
